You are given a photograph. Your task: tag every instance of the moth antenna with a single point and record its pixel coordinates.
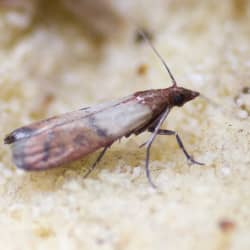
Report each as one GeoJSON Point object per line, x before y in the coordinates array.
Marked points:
{"type": "Point", "coordinates": [143, 34]}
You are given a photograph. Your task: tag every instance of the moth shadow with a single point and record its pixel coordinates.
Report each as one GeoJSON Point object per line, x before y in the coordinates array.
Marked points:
{"type": "Point", "coordinates": [54, 179]}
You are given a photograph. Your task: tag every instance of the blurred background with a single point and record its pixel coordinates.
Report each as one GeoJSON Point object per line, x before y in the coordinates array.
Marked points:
{"type": "Point", "coordinates": [62, 55]}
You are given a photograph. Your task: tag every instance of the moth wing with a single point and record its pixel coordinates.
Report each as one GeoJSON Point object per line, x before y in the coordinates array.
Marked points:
{"type": "Point", "coordinates": [68, 137]}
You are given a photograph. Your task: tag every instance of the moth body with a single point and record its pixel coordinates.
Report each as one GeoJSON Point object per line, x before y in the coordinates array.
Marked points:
{"type": "Point", "coordinates": [68, 137]}
{"type": "Point", "coordinates": [71, 136]}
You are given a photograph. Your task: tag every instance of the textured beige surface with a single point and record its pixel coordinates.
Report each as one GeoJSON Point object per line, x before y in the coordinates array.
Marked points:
{"type": "Point", "coordinates": [50, 65]}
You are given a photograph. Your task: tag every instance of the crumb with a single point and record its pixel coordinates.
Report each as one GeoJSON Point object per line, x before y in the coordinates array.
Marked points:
{"type": "Point", "coordinates": [246, 90]}
{"type": "Point", "coordinates": [142, 69]}
{"type": "Point", "coordinates": [226, 225]}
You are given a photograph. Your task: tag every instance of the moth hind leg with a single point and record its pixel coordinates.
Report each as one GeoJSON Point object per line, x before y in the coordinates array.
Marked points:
{"type": "Point", "coordinates": [180, 143]}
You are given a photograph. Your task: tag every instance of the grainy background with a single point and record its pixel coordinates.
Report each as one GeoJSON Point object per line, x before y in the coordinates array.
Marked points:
{"type": "Point", "coordinates": [57, 56]}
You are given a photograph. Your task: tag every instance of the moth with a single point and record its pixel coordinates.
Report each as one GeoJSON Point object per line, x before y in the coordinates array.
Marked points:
{"type": "Point", "coordinates": [68, 137]}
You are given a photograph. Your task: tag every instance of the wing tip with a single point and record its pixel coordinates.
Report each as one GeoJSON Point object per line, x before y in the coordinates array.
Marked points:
{"type": "Point", "coordinates": [9, 139]}
{"type": "Point", "coordinates": [18, 134]}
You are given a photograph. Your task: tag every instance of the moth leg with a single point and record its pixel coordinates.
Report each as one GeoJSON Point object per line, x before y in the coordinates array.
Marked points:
{"type": "Point", "coordinates": [149, 143]}
{"type": "Point", "coordinates": [147, 165]}
{"type": "Point", "coordinates": [180, 143]}
{"type": "Point", "coordinates": [96, 161]}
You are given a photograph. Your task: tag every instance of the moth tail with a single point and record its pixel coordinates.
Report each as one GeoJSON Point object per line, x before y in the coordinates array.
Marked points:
{"type": "Point", "coordinates": [9, 139]}
{"type": "Point", "coordinates": [18, 134]}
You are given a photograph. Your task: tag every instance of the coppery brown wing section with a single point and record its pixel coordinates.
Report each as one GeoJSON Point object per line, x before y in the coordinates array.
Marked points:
{"type": "Point", "coordinates": [59, 145]}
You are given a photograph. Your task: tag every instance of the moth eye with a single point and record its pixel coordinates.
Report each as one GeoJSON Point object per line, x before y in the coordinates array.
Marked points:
{"type": "Point", "coordinates": [178, 99]}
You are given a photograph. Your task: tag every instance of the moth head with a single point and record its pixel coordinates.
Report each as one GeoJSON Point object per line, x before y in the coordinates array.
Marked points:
{"type": "Point", "coordinates": [179, 96]}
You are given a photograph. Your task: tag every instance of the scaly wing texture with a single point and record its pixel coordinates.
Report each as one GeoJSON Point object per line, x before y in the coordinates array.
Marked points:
{"type": "Point", "coordinates": [68, 137]}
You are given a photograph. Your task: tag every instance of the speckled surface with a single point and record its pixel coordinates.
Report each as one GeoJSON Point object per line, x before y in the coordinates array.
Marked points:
{"type": "Point", "coordinates": [50, 64]}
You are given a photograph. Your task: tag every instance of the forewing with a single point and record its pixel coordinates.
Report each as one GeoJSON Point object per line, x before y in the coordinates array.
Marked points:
{"type": "Point", "coordinates": [68, 137]}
